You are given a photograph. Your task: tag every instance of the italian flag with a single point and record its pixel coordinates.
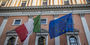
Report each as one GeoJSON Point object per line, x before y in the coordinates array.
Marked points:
{"type": "Point", "coordinates": [26, 29]}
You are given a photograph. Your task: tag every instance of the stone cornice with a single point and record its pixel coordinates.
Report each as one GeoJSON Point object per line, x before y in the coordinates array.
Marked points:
{"type": "Point", "coordinates": [43, 10]}
{"type": "Point", "coordinates": [39, 8]}
{"type": "Point", "coordinates": [53, 6]}
{"type": "Point", "coordinates": [25, 13]}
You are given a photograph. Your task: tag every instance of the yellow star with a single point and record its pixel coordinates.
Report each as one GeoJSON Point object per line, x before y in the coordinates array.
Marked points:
{"type": "Point", "coordinates": [56, 30]}
{"type": "Point", "coordinates": [63, 30]}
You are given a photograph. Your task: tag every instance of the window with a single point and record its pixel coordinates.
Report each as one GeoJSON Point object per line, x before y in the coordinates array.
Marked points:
{"type": "Point", "coordinates": [73, 37]}
{"type": "Point", "coordinates": [11, 41]}
{"type": "Point", "coordinates": [42, 37]}
{"type": "Point", "coordinates": [11, 38]}
{"type": "Point", "coordinates": [44, 2]}
{"type": "Point", "coordinates": [66, 2]}
{"type": "Point", "coordinates": [41, 41]}
{"type": "Point", "coordinates": [73, 40]}
{"type": "Point", "coordinates": [75, 1]}
{"type": "Point", "coordinates": [17, 22]}
{"type": "Point", "coordinates": [88, 1]}
{"type": "Point", "coordinates": [23, 4]}
{"type": "Point", "coordinates": [43, 21]}
{"type": "Point", "coordinates": [71, 1]}
{"type": "Point", "coordinates": [3, 3]}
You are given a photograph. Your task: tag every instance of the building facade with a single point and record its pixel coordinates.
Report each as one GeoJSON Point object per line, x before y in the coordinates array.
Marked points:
{"type": "Point", "coordinates": [14, 13]}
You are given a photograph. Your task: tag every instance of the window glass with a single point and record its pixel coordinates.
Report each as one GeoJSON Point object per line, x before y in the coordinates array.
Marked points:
{"type": "Point", "coordinates": [88, 1]}
{"type": "Point", "coordinates": [3, 3]}
{"type": "Point", "coordinates": [44, 2]}
{"type": "Point", "coordinates": [11, 41]}
{"type": "Point", "coordinates": [43, 21]}
{"type": "Point", "coordinates": [23, 4]}
{"type": "Point", "coordinates": [17, 22]}
{"type": "Point", "coordinates": [66, 2]}
{"type": "Point", "coordinates": [73, 40]}
{"type": "Point", "coordinates": [41, 41]}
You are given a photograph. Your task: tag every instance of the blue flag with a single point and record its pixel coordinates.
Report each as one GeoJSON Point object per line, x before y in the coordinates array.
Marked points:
{"type": "Point", "coordinates": [60, 26]}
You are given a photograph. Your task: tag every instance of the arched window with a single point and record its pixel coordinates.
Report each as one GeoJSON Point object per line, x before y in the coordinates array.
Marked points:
{"type": "Point", "coordinates": [11, 41]}
{"type": "Point", "coordinates": [41, 41]}
{"type": "Point", "coordinates": [73, 40]}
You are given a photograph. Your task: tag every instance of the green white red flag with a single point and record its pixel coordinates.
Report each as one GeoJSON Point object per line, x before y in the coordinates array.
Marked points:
{"type": "Point", "coordinates": [26, 29]}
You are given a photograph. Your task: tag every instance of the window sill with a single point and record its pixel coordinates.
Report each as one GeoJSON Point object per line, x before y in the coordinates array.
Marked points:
{"type": "Point", "coordinates": [16, 24]}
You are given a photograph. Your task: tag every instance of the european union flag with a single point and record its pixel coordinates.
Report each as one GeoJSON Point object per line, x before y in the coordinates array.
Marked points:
{"type": "Point", "coordinates": [60, 26]}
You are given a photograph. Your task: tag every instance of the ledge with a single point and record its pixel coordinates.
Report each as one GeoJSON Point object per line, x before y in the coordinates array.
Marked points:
{"type": "Point", "coordinates": [45, 7]}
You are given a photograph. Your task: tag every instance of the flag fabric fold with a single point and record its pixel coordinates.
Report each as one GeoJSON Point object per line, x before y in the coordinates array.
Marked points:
{"type": "Point", "coordinates": [37, 24]}
{"type": "Point", "coordinates": [60, 26]}
{"type": "Point", "coordinates": [26, 29]}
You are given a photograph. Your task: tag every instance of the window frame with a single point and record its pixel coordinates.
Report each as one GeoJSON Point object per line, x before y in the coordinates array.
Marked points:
{"type": "Point", "coordinates": [25, 2]}
{"type": "Point", "coordinates": [45, 2]}
{"type": "Point", "coordinates": [75, 34]}
{"type": "Point", "coordinates": [74, 41]}
{"type": "Point", "coordinates": [44, 18]}
{"type": "Point", "coordinates": [11, 40]}
{"type": "Point", "coordinates": [8, 37]}
{"type": "Point", "coordinates": [44, 42]}
{"type": "Point", "coordinates": [38, 35]}
{"type": "Point", "coordinates": [65, 3]}
{"type": "Point", "coordinates": [15, 20]}
{"type": "Point", "coordinates": [88, 2]}
{"type": "Point", "coordinates": [10, 34]}
{"type": "Point", "coordinates": [3, 3]}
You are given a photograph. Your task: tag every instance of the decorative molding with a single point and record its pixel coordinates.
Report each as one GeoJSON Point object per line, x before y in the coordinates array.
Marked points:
{"type": "Point", "coordinates": [44, 8]}
{"type": "Point", "coordinates": [10, 34]}
{"type": "Point", "coordinates": [39, 35]}
{"type": "Point", "coordinates": [49, 6]}
{"type": "Point", "coordinates": [36, 41]}
{"type": "Point", "coordinates": [16, 41]}
{"type": "Point", "coordinates": [43, 33]}
{"type": "Point", "coordinates": [46, 21]}
{"type": "Point", "coordinates": [6, 41]}
{"type": "Point", "coordinates": [85, 26]}
{"type": "Point", "coordinates": [24, 13]}
{"type": "Point", "coordinates": [3, 25]}
{"type": "Point", "coordinates": [75, 34]}
{"type": "Point", "coordinates": [46, 40]}
{"type": "Point", "coordinates": [8, 37]}
{"type": "Point", "coordinates": [15, 20]}
{"type": "Point", "coordinates": [57, 39]}
{"type": "Point", "coordinates": [78, 40]}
